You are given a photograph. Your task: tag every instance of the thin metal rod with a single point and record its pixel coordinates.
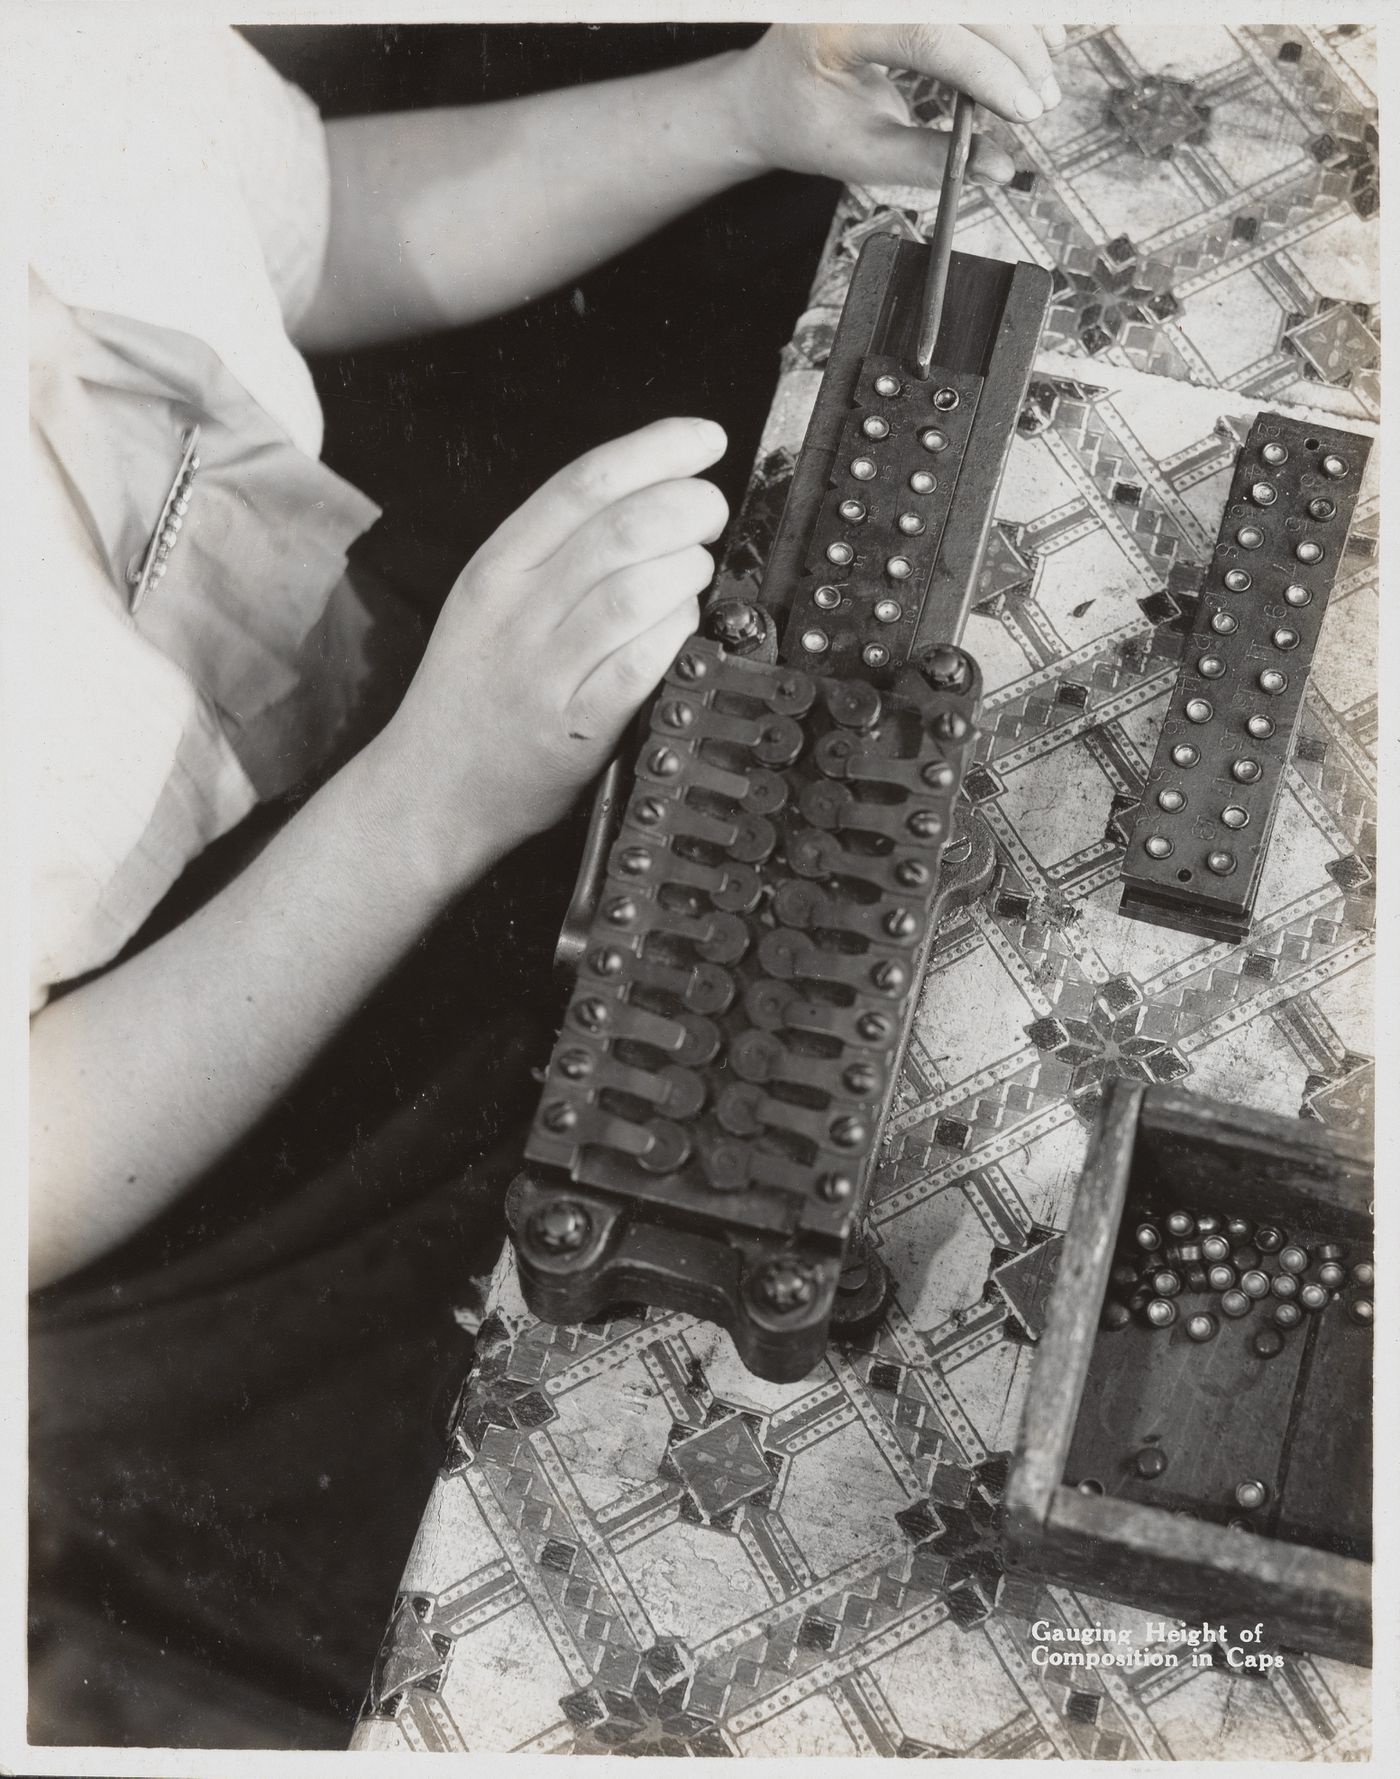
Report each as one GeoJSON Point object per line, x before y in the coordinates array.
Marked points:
{"type": "Point", "coordinates": [941, 252]}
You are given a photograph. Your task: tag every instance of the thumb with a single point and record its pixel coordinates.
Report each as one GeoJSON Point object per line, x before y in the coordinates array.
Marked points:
{"type": "Point", "coordinates": [894, 153]}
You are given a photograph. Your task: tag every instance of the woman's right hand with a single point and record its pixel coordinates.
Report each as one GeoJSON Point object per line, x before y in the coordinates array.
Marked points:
{"type": "Point", "coordinates": [553, 635]}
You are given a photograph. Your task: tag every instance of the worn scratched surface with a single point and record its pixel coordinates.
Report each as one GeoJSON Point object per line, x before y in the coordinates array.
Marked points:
{"type": "Point", "coordinates": [634, 1543]}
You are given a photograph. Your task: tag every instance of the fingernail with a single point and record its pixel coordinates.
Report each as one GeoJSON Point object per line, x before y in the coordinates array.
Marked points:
{"type": "Point", "coordinates": [1027, 105]}
{"type": "Point", "coordinates": [710, 431]}
{"type": "Point", "coordinates": [1050, 92]}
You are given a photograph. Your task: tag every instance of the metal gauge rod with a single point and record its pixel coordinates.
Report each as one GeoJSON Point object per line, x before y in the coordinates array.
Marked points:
{"type": "Point", "coordinates": [940, 253]}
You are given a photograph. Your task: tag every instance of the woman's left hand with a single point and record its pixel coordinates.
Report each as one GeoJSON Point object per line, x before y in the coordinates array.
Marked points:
{"type": "Point", "coordinates": [818, 98]}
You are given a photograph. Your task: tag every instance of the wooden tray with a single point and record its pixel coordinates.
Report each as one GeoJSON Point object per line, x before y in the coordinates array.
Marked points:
{"type": "Point", "coordinates": [1300, 1422]}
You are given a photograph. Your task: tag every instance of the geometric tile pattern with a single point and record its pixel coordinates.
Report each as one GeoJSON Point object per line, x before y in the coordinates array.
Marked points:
{"type": "Point", "coordinates": [636, 1546]}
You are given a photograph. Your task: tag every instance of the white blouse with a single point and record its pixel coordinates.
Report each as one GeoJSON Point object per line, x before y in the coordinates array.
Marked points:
{"type": "Point", "coordinates": [178, 180]}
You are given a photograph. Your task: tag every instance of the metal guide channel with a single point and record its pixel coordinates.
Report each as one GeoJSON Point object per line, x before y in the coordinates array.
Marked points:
{"type": "Point", "coordinates": [1201, 835]}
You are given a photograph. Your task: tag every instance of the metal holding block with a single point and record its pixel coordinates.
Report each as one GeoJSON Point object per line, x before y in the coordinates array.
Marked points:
{"type": "Point", "coordinates": [760, 890]}
{"type": "Point", "coordinates": [732, 1042]}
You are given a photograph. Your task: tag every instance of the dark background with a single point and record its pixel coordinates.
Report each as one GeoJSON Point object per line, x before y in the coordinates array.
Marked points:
{"type": "Point", "coordinates": [450, 434]}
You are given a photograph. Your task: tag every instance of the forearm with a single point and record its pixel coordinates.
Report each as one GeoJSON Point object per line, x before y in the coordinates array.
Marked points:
{"type": "Point", "coordinates": [145, 1076]}
{"type": "Point", "coordinates": [448, 216]}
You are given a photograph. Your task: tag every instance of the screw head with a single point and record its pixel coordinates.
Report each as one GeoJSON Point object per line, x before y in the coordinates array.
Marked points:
{"type": "Point", "coordinates": [828, 598]}
{"type": "Point", "coordinates": [1249, 537]}
{"type": "Point", "coordinates": [910, 874]}
{"type": "Point", "coordinates": [1251, 1495]}
{"type": "Point", "coordinates": [889, 977]}
{"type": "Point", "coordinates": [785, 1286]}
{"type": "Point", "coordinates": [948, 669]}
{"type": "Point", "coordinates": [885, 384]}
{"type": "Point", "coordinates": [1322, 508]}
{"type": "Point", "coordinates": [691, 667]}
{"type": "Point", "coordinates": [649, 811]}
{"type": "Point", "coordinates": [933, 440]}
{"type": "Point", "coordinates": [1274, 454]}
{"type": "Point", "coordinates": [1224, 624]}
{"type": "Point", "coordinates": [1157, 846]}
{"type": "Point", "coordinates": [816, 642]}
{"type": "Point", "coordinates": [949, 725]}
{"type": "Point", "coordinates": [1185, 753]}
{"type": "Point", "coordinates": [1297, 595]}
{"type": "Point", "coordinates": [1334, 466]}
{"type": "Point", "coordinates": [939, 775]}
{"type": "Point", "coordinates": [1260, 727]}
{"type": "Point", "coordinates": [1234, 817]}
{"type": "Point", "coordinates": [875, 426]}
{"type": "Point", "coordinates": [922, 482]}
{"type": "Point", "coordinates": [635, 861]}
{"type": "Point", "coordinates": [945, 400]}
{"type": "Point", "coordinates": [848, 1131]}
{"type": "Point", "coordinates": [875, 1027]}
{"type": "Point", "coordinates": [888, 611]}
{"type": "Point", "coordinates": [1308, 551]}
{"type": "Point", "coordinates": [1239, 580]}
{"type": "Point", "coordinates": [1263, 494]}
{"type": "Point", "coordinates": [1199, 710]}
{"type": "Point", "coordinates": [592, 1013]}
{"type": "Point", "coordinates": [1210, 667]}
{"type": "Point", "coordinates": [560, 1227]}
{"type": "Point", "coordinates": [910, 524]}
{"type": "Point", "coordinates": [840, 553]}
{"type": "Point", "coordinates": [1246, 771]}
{"type": "Point", "coordinates": [875, 654]}
{"type": "Point", "coordinates": [862, 1078]}
{"type": "Point", "coordinates": [899, 568]}
{"type": "Point", "coordinates": [1284, 638]}
{"type": "Point", "coordinates": [665, 762]}
{"type": "Point", "coordinates": [862, 468]}
{"type": "Point", "coordinates": [559, 1116]}
{"type": "Point", "coordinates": [1201, 1327]}
{"type": "Point", "coordinates": [622, 912]}
{"type": "Point", "coordinates": [1222, 863]}
{"type": "Point", "coordinates": [925, 824]}
{"type": "Point", "coordinates": [837, 1188]}
{"type": "Point", "coordinates": [1272, 681]}
{"type": "Point", "coordinates": [606, 961]}
{"type": "Point", "coordinates": [853, 510]}
{"type": "Point", "coordinates": [734, 621]}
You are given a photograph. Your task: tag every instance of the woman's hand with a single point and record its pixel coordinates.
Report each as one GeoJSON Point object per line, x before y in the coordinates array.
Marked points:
{"type": "Point", "coordinates": [555, 632]}
{"type": "Point", "coordinates": [817, 99]}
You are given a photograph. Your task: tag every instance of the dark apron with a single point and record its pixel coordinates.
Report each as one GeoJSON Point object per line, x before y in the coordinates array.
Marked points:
{"type": "Point", "coordinates": [232, 1427]}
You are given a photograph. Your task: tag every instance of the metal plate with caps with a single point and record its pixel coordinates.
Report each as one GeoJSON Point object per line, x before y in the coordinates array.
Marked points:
{"type": "Point", "coordinates": [1201, 836]}
{"type": "Point", "coordinates": [876, 538]}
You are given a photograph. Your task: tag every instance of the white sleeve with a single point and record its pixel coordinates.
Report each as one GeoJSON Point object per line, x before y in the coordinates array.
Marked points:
{"type": "Point", "coordinates": [276, 143]}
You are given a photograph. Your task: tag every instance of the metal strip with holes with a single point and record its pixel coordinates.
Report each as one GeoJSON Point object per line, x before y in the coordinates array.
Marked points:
{"type": "Point", "coordinates": [1201, 836]}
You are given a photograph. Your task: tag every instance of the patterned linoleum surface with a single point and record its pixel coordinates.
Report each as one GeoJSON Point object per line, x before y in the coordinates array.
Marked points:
{"type": "Point", "coordinates": [636, 1545]}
